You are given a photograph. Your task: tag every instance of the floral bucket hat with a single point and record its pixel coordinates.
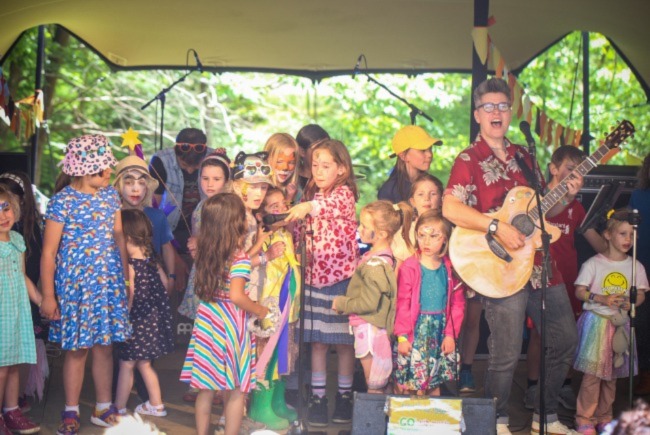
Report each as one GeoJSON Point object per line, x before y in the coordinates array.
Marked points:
{"type": "Point", "coordinates": [87, 155]}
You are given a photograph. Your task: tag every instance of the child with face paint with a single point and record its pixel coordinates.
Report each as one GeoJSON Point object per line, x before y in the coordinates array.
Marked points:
{"type": "Point", "coordinates": [136, 188]}
{"type": "Point", "coordinates": [425, 194]}
{"type": "Point", "coordinates": [370, 297]}
{"type": "Point", "coordinates": [251, 180]}
{"type": "Point", "coordinates": [332, 255]}
{"type": "Point", "coordinates": [278, 351]}
{"type": "Point", "coordinates": [430, 311]}
{"type": "Point", "coordinates": [282, 149]}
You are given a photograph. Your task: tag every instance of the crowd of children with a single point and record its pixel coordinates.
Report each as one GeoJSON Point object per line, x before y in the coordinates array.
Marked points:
{"type": "Point", "coordinates": [107, 261]}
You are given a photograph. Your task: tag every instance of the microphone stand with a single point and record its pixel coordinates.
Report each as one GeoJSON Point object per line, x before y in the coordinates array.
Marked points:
{"type": "Point", "coordinates": [415, 111]}
{"type": "Point", "coordinates": [634, 219]}
{"type": "Point", "coordinates": [299, 427]}
{"type": "Point", "coordinates": [546, 244]}
{"type": "Point", "coordinates": [161, 96]}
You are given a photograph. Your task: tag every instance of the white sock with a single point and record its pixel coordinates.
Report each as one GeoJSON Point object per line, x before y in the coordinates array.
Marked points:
{"type": "Point", "coordinates": [102, 406]}
{"type": "Point", "coordinates": [74, 408]}
{"type": "Point", "coordinates": [6, 410]}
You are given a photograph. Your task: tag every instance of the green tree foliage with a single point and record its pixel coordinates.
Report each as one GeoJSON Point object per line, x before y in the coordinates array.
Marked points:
{"type": "Point", "coordinates": [240, 111]}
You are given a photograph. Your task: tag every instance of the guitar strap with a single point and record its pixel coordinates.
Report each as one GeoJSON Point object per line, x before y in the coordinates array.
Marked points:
{"type": "Point", "coordinates": [525, 169]}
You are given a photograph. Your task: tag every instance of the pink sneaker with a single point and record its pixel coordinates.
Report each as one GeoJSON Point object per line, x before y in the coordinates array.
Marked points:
{"type": "Point", "coordinates": [587, 429]}
{"type": "Point", "coordinates": [18, 423]}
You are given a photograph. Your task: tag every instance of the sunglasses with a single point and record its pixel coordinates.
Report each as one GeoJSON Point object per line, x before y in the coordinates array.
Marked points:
{"type": "Point", "coordinates": [198, 148]}
{"type": "Point", "coordinates": [489, 107]}
{"type": "Point", "coordinates": [251, 170]}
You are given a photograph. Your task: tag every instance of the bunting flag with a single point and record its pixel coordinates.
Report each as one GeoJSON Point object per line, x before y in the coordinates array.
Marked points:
{"type": "Point", "coordinates": [480, 38]}
{"type": "Point", "coordinates": [5, 97]}
{"type": "Point", "coordinates": [558, 139]}
{"type": "Point", "coordinates": [542, 126]}
{"type": "Point", "coordinates": [32, 114]}
{"type": "Point", "coordinates": [570, 136]}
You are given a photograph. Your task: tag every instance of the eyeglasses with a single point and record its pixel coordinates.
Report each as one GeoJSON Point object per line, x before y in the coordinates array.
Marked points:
{"type": "Point", "coordinates": [489, 107]}
{"type": "Point", "coordinates": [184, 147]}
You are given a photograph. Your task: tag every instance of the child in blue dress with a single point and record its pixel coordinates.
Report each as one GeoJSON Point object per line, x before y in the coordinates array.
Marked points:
{"type": "Point", "coordinates": [17, 344]}
{"type": "Point", "coordinates": [84, 262]}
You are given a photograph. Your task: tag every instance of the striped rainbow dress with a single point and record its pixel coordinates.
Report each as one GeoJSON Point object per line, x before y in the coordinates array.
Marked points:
{"type": "Point", "coordinates": [220, 353]}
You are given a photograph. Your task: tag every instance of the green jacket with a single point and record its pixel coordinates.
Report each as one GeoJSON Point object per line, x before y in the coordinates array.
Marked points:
{"type": "Point", "coordinates": [371, 294]}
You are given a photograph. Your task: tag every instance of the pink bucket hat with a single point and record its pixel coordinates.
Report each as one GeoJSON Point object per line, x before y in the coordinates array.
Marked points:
{"type": "Point", "coordinates": [87, 155]}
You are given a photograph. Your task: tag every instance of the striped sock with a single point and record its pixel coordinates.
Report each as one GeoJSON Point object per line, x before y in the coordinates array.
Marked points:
{"type": "Point", "coordinates": [345, 383]}
{"type": "Point", "coordinates": [318, 382]}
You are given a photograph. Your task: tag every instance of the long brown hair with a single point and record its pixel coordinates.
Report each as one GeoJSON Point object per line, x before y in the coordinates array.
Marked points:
{"type": "Point", "coordinates": [138, 231]}
{"type": "Point", "coordinates": [223, 226]}
{"type": "Point", "coordinates": [341, 157]}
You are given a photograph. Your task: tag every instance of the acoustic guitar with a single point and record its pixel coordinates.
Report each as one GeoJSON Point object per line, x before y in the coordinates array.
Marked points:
{"type": "Point", "coordinates": [494, 271]}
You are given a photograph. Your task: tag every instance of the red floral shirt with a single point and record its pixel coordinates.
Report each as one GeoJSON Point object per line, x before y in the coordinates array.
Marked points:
{"type": "Point", "coordinates": [482, 181]}
{"type": "Point", "coordinates": [334, 253]}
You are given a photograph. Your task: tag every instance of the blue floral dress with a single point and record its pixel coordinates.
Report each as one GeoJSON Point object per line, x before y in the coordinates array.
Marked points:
{"type": "Point", "coordinates": [17, 344]}
{"type": "Point", "coordinates": [89, 278]}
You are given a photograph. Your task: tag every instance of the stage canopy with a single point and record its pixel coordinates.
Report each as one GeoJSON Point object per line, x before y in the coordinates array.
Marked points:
{"type": "Point", "coordinates": [319, 38]}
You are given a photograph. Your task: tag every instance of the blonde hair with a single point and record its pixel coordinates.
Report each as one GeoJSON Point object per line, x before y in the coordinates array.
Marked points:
{"type": "Point", "coordinates": [616, 218]}
{"type": "Point", "coordinates": [276, 144]}
{"type": "Point", "coordinates": [384, 216]}
{"type": "Point", "coordinates": [13, 200]}
{"type": "Point", "coordinates": [408, 217]}
{"type": "Point", "coordinates": [434, 216]}
{"type": "Point", "coordinates": [151, 182]}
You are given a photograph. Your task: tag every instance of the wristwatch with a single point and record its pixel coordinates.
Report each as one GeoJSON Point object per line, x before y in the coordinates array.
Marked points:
{"type": "Point", "coordinates": [492, 228]}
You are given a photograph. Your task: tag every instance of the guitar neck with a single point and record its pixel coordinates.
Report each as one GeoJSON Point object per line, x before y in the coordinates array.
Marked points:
{"type": "Point", "coordinates": [555, 194]}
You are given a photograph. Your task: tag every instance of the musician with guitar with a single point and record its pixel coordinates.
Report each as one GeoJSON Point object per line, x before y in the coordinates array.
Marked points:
{"type": "Point", "coordinates": [497, 257]}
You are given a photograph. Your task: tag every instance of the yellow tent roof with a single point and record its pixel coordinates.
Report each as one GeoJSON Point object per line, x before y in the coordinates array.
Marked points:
{"type": "Point", "coordinates": [319, 38]}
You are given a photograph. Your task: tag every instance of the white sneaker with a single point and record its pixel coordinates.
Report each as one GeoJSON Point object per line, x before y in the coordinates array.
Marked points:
{"type": "Point", "coordinates": [502, 429]}
{"type": "Point", "coordinates": [555, 428]}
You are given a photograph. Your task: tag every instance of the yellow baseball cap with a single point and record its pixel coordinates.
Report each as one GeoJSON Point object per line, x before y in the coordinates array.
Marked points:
{"type": "Point", "coordinates": [412, 136]}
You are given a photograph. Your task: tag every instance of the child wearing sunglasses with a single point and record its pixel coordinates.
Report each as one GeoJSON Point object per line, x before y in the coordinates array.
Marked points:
{"type": "Point", "coordinates": [177, 171]}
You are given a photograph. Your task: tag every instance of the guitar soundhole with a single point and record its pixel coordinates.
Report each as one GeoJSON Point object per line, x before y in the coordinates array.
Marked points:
{"type": "Point", "coordinates": [524, 224]}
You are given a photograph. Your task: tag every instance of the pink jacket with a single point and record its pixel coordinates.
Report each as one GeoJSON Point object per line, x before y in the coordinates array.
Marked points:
{"type": "Point", "coordinates": [409, 281]}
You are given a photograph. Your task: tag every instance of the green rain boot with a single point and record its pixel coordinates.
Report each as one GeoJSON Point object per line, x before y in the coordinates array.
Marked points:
{"type": "Point", "coordinates": [262, 411]}
{"type": "Point", "coordinates": [279, 403]}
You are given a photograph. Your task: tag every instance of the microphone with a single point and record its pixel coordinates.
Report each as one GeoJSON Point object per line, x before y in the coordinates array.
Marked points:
{"type": "Point", "coordinates": [355, 71]}
{"type": "Point", "coordinates": [524, 126]}
{"type": "Point", "coordinates": [634, 218]}
{"type": "Point", "coordinates": [199, 65]}
{"type": "Point", "coordinates": [271, 219]}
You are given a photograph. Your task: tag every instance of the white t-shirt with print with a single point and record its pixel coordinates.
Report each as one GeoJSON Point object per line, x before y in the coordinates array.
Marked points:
{"type": "Point", "coordinates": [603, 276]}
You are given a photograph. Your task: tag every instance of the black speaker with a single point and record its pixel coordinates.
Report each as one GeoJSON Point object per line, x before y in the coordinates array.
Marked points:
{"type": "Point", "coordinates": [14, 162]}
{"type": "Point", "coordinates": [368, 416]}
